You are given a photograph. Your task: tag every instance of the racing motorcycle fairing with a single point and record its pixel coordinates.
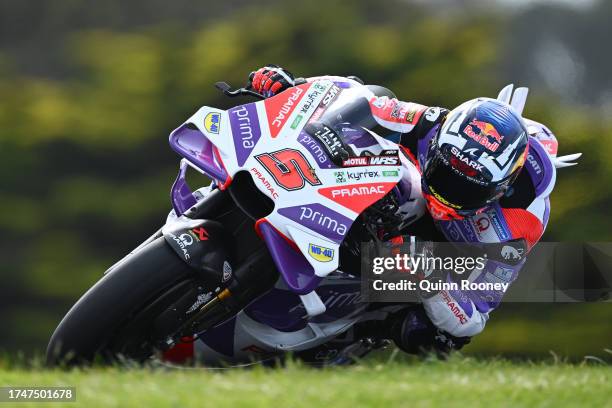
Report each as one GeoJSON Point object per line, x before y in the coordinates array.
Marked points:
{"type": "Point", "coordinates": [315, 201]}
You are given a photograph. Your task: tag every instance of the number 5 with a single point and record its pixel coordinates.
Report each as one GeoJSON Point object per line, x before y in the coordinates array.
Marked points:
{"type": "Point", "coordinates": [289, 168]}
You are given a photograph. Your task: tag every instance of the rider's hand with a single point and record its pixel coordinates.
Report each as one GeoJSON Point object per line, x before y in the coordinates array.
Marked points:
{"type": "Point", "coordinates": [270, 80]}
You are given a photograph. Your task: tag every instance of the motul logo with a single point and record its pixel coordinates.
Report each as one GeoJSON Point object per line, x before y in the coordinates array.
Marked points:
{"type": "Point", "coordinates": [355, 161]}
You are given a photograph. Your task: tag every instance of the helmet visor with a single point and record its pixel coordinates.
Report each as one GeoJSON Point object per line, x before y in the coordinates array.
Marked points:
{"type": "Point", "coordinates": [454, 188]}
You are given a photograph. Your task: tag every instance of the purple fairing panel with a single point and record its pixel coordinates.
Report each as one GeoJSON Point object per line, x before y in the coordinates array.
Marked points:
{"type": "Point", "coordinates": [316, 151]}
{"type": "Point", "coordinates": [221, 337]}
{"type": "Point", "coordinates": [343, 84]}
{"type": "Point", "coordinates": [320, 219]}
{"type": "Point", "coordinates": [181, 195]}
{"type": "Point", "coordinates": [297, 273]}
{"type": "Point", "coordinates": [539, 166]}
{"type": "Point", "coordinates": [283, 310]}
{"type": "Point", "coordinates": [358, 137]}
{"type": "Point", "coordinates": [278, 308]}
{"type": "Point", "coordinates": [403, 189]}
{"type": "Point", "coordinates": [194, 146]}
{"type": "Point", "coordinates": [245, 130]}
{"type": "Point", "coordinates": [546, 211]}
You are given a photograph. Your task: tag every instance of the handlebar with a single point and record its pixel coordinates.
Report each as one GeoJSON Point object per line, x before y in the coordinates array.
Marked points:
{"type": "Point", "coordinates": [227, 90]}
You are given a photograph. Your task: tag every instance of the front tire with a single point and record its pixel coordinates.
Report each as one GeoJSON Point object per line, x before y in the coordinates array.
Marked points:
{"type": "Point", "coordinates": [125, 300]}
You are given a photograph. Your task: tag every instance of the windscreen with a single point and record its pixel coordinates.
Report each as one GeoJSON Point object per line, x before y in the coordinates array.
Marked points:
{"type": "Point", "coordinates": [348, 113]}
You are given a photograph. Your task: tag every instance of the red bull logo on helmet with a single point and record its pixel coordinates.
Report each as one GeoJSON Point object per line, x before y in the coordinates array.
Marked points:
{"type": "Point", "coordinates": [484, 133]}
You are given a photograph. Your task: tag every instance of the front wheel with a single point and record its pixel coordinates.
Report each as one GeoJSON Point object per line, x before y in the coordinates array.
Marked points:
{"type": "Point", "coordinates": [117, 315]}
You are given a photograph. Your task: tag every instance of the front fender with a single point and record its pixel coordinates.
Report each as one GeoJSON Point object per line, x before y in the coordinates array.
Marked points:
{"type": "Point", "coordinates": [203, 244]}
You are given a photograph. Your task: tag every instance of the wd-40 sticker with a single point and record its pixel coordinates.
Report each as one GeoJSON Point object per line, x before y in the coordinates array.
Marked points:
{"type": "Point", "coordinates": [245, 130]}
{"type": "Point", "coordinates": [320, 253]}
{"type": "Point", "coordinates": [212, 122]}
{"type": "Point", "coordinates": [357, 197]}
{"type": "Point", "coordinates": [280, 107]}
{"type": "Point", "coordinates": [319, 219]}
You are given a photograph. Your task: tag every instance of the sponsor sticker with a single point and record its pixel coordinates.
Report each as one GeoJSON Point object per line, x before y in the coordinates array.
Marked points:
{"type": "Point", "coordinates": [264, 182]}
{"type": "Point", "coordinates": [330, 141]}
{"type": "Point", "coordinates": [320, 219]}
{"type": "Point", "coordinates": [452, 231]}
{"type": "Point", "coordinates": [464, 163]}
{"type": "Point", "coordinates": [442, 199]}
{"type": "Point", "coordinates": [387, 158]}
{"type": "Point", "coordinates": [484, 133]}
{"type": "Point", "coordinates": [499, 225]}
{"type": "Point", "coordinates": [200, 233]}
{"type": "Point", "coordinates": [315, 150]}
{"type": "Point", "coordinates": [212, 122]}
{"type": "Point", "coordinates": [347, 175]}
{"type": "Point", "coordinates": [245, 130]}
{"type": "Point", "coordinates": [511, 253]}
{"type": "Point", "coordinates": [534, 163]}
{"type": "Point", "coordinates": [316, 91]}
{"type": "Point", "coordinates": [320, 253]}
{"type": "Point", "coordinates": [281, 106]}
{"type": "Point", "coordinates": [432, 114]}
{"type": "Point", "coordinates": [482, 223]}
{"type": "Point", "coordinates": [357, 197]}
{"type": "Point", "coordinates": [227, 271]}
{"type": "Point", "coordinates": [296, 121]}
{"type": "Point", "coordinates": [504, 274]}
{"type": "Point", "coordinates": [330, 96]}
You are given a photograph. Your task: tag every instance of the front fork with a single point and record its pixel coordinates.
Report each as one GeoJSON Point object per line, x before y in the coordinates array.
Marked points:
{"type": "Point", "coordinates": [206, 246]}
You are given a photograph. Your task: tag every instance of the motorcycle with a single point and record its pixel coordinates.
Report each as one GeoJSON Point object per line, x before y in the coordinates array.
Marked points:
{"type": "Point", "coordinates": [266, 259]}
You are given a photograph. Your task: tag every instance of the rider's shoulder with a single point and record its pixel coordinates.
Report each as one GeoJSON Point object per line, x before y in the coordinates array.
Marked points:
{"type": "Point", "coordinates": [522, 214]}
{"type": "Point", "coordinates": [540, 168]}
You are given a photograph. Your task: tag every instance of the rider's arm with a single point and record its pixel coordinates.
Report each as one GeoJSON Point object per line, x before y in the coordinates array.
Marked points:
{"type": "Point", "coordinates": [517, 229]}
{"type": "Point", "coordinates": [464, 313]}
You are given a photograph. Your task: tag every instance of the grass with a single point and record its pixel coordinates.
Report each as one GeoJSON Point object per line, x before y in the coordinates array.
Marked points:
{"type": "Point", "coordinates": [458, 382]}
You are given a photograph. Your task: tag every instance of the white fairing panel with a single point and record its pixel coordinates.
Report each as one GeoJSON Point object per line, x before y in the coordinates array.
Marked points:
{"type": "Point", "coordinates": [315, 201]}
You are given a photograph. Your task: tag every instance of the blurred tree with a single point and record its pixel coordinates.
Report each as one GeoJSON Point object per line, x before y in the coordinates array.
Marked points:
{"type": "Point", "coordinates": [90, 91]}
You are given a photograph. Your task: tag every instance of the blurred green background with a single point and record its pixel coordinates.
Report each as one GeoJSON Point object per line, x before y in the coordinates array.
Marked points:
{"type": "Point", "coordinates": [90, 90]}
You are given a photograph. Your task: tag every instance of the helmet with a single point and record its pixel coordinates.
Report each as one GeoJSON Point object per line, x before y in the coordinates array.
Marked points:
{"type": "Point", "coordinates": [476, 155]}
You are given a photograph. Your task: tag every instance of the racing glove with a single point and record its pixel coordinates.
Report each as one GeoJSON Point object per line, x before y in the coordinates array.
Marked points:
{"type": "Point", "coordinates": [270, 80]}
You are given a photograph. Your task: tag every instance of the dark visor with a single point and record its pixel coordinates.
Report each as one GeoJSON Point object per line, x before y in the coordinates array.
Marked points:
{"type": "Point", "coordinates": [453, 188]}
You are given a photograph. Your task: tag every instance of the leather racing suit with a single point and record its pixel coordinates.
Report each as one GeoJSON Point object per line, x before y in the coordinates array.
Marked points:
{"type": "Point", "coordinates": [449, 318]}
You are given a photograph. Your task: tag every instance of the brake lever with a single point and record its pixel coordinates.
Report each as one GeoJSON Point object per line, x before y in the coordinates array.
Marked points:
{"type": "Point", "coordinates": [227, 90]}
